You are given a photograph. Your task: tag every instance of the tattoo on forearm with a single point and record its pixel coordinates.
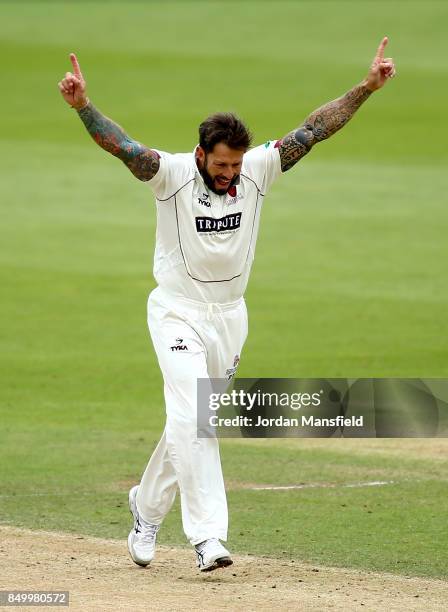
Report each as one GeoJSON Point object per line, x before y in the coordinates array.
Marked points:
{"type": "Point", "coordinates": [141, 161]}
{"type": "Point", "coordinates": [321, 124]}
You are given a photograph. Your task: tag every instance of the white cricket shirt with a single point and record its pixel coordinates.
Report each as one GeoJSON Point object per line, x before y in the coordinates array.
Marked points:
{"type": "Point", "coordinates": [205, 243]}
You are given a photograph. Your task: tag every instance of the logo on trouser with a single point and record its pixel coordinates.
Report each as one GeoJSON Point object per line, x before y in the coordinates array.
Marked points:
{"type": "Point", "coordinates": [179, 346]}
{"type": "Point", "coordinates": [231, 371]}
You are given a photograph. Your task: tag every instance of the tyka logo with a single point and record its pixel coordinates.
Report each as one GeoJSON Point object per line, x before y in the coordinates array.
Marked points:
{"type": "Point", "coordinates": [209, 224]}
{"type": "Point", "coordinates": [179, 346]}
{"type": "Point", "coordinates": [205, 200]}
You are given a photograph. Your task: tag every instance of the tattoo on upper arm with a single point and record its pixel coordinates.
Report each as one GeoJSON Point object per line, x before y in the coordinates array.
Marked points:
{"type": "Point", "coordinates": [321, 124]}
{"type": "Point", "coordinates": [141, 161]}
{"type": "Point", "coordinates": [144, 165]}
{"type": "Point", "coordinates": [294, 146]}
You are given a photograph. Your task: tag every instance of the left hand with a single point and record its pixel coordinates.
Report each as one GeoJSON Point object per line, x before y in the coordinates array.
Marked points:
{"type": "Point", "coordinates": [381, 69]}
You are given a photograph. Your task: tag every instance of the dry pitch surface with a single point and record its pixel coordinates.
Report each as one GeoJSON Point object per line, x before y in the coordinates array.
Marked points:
{"type": "Point", "coordinates": [100, 576]}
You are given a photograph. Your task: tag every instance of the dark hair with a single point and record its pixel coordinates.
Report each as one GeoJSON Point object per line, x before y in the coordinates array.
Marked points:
{"type": "Point", "coordinates": [225, 128]}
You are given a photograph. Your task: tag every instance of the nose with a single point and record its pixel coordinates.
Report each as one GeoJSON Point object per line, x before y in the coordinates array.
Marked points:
{"type": "Point", "coordinates": [228, 173]}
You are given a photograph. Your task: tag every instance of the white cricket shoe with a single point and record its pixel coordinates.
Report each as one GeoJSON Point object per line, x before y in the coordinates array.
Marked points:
{"type": "Point", "coordinates": [142, 538]}
{"type": "Point", "coordinates": [211, 554]}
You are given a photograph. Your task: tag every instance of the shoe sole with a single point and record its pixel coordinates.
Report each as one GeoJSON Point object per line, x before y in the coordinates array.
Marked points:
{"type": "Point", "coordinates": [134, 560]}
{"type": "Point", "coordinates": [218, 563]}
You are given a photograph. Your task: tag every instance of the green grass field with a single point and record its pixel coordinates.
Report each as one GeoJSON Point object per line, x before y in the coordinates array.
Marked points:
{"type": "Point", "coordinates": [349, 278]}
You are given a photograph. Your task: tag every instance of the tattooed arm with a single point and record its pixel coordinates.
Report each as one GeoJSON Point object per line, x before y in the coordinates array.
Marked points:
{"type": "Point", "coordinates": [141, 161]}
{"type": "Point", "coordinates": [328, 119]}
{"type": "Point", "coordinates": [321, 124]}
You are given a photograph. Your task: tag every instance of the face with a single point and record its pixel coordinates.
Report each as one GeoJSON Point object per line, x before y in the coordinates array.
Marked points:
{"type": "Point", "coordinates": [220, 168]}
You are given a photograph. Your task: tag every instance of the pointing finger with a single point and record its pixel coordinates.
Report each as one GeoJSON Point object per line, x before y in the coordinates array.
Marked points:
{"type": "Point", "coordinates": [75, 64]}
{"type": "Point", "coordinates": [380, 51]}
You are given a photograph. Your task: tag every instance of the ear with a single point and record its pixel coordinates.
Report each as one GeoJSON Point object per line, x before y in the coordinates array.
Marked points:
{"type": "Point", "coordinates": [200, 154]}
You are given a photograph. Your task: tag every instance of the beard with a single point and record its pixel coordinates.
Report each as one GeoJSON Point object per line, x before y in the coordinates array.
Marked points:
{"type": "Point", "coordinates": [210, 181]}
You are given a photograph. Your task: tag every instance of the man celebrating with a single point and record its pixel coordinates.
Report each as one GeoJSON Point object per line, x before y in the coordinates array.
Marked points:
{"type": "Point", "coordinates": [208, 211]}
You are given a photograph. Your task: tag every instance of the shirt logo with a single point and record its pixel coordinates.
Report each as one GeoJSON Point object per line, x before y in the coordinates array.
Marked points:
{"type": "Point", "coordinates": [205, 200]}
{"type": "Point", "coordinates": [233, 196]}
{"type": "Point", "coordinates": [209, 224]}
{"type": "Point", "coordinates": [235, 199]}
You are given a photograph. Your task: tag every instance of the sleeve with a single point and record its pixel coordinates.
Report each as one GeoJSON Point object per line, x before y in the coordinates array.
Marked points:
{"type": "Point", "coordinates": [170, 175]}
{"type": "Point", "coordinates": [262, 164]}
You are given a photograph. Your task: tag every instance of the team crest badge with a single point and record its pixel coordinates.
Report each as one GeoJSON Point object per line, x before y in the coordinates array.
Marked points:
{"type": "Point", "coordinates": [231, 371]}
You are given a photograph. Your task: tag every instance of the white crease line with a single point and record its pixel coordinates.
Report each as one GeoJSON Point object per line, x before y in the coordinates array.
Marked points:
{"type": "Point", "coordinates": [375, 483]}
{"type": "Point", "coordinates": [54, 495]}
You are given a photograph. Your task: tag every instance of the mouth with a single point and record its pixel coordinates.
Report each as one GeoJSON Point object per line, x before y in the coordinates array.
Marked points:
{"type": "Point", "coordinates": [223, 182]}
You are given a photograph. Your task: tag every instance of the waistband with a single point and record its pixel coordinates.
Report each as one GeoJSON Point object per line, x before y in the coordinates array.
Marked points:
{"type": "Point", "coordinates": [207, 308]}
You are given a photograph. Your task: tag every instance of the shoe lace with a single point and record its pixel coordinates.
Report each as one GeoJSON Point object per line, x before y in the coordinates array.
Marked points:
{"type": "Point", "coordinates": [200, 547]}
{"type": "Point", "coordinates": [146, 530]}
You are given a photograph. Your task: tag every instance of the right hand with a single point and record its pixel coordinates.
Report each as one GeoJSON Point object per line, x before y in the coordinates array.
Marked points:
{"type": "Point", "coordinates": [381, 69]}
{"type": "Point", "coordinates": [73, 86]}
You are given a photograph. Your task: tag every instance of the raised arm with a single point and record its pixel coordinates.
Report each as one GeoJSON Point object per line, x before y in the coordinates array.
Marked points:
{"type": "Point", "coordinates": [141, 161]}
{"type": "Point", "coordinates": [328, 119]}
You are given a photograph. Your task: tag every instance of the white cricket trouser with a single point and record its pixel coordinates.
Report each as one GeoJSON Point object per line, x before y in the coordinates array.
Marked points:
{"type": "Point", "coordinates": [213, 335]}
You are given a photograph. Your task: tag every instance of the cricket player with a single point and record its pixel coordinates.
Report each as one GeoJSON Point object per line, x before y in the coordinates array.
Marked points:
{"type": "Point", "coordinates": [208, 206]}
